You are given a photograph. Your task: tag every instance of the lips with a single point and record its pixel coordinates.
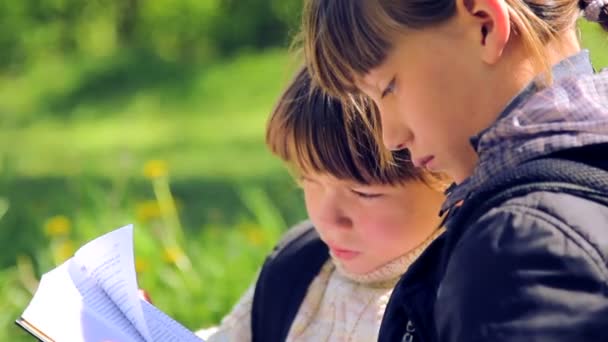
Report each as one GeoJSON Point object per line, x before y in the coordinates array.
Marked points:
{"type": "Point", "coordinates": [343, 254]}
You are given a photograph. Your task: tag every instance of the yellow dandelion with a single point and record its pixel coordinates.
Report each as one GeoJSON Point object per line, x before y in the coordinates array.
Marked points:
{"type": "Point", "coordinates": [147, 210]}
{"type": "Point", "coordinates": [141, 265]}
{"type": "Point", "coordinates": [63, 251]}
{"type": "Point", "coordinates": [173, 254]}
{"type": "Point", "coordinates": [177, 257]}
{"type": "Point", "coordinates": [57, 226]}
{"type": "Point", "coordinates": [155, 168]}
{"type": "Point", "coordinates": [254, 234]}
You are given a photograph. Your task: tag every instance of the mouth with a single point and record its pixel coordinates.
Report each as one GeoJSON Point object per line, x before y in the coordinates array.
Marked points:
{"type": "Point", "coordinates": [423, 162]}
{"type": "Point", "coordinates": [343, 254]}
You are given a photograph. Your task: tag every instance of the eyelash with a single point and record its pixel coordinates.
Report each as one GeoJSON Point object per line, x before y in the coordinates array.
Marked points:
{"type": "Point", "coordinates": [366, 195]}
{"type": "Point", "coordinates": [359, 194]}
{"type": "Point", "coordinates": [389, 88]}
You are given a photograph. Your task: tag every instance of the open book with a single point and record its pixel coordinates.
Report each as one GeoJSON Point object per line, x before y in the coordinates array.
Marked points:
{"type": "Point", "coordinates": [94, 297]}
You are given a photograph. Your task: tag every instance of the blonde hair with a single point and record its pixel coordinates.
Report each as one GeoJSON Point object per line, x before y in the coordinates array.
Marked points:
{"type": "Point", "coordinates": [347, 38]}
{"type": "Point", "coordinates": [311, 132]}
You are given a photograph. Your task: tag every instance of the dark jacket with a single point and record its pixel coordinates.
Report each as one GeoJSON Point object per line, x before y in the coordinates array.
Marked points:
{"type": "Point", "coordinates": [522, 260]}
{"type": "Point", "coordinates": [531, 267]}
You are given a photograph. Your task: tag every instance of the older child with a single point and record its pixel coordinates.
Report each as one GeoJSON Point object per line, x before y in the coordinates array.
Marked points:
{"type": "Point", "coordinates": [373, 221]}
{"type": "Point", "coordinates": [498, 94]}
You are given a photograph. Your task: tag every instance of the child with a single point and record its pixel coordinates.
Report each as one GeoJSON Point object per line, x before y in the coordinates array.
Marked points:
{"type": "Point", "coordinates": [498, 94]}
{"type": "Point", "coordinates": [373, 221]}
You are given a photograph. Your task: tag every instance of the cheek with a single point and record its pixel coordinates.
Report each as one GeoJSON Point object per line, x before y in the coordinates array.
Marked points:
{"type": "Point", "coordinates": [422, 90]}
{"type": "Point", "coordinates": [382, 227]}
{"type": "Point", "coordinates": [390, 110]}
{"type": "Point", "coordinates": [311, 200]}
{"type": "Point", "coordinates": [411, 106]}
{"type": "Point", "coordinates": [423, 115]}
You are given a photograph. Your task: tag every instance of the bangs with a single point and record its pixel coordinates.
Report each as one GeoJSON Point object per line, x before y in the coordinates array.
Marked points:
{"type": "Point", "coordinates": [311, 133]}
{"type": "Point", "coordinates": [343, 40]}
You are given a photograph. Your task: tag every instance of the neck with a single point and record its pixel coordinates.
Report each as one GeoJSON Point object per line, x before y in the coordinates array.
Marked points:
{"type": "Point", "coordinates": [500, 83]}
{"type": "Point", "coordinates": [519, 67]}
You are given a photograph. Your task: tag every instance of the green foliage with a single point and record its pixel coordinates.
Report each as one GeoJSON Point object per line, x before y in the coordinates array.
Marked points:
{"type": "Point", "coordinates": [196, 280]}
{"type": "Point", "coordinates": [596, 40]}
{"type": "Point", "coordinates": [174, 30]}
{"type": "Point", "coordinates": [93, 145]}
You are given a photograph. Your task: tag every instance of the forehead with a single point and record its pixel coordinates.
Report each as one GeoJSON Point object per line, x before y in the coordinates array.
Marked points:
{"type": "Point", "coordinates": [328, 179]}
{"type": "Point", "coordinates": [376, 78]}
{"type": "Point", "coordinates": [410, 49]}
{"type": "Point", "coordinates": [324, 178]}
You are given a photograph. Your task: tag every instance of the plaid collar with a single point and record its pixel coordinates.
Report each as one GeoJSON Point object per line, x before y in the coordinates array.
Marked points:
{"type": "Point", "coordinates": [573, 112]}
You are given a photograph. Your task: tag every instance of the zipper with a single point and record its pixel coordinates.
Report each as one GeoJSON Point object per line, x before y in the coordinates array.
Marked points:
{"type": "Point", "coordinates": [410, 330]}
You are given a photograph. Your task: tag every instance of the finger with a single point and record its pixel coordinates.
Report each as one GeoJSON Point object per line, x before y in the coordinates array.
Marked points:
{"type": "Point", "coordinates": [144, 295]}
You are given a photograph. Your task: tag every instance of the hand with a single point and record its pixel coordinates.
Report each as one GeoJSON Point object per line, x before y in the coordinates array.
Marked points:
{"type": "Point", "coordinates": [145, 296]}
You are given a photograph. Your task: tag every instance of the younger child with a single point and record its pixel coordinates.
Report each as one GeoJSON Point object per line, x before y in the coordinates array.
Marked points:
{"type": "Point", "coordinates": [373, 221]}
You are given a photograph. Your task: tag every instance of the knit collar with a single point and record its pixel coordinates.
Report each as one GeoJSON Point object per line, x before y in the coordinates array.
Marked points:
{"type": "Point", "coordinates": [388, 274]}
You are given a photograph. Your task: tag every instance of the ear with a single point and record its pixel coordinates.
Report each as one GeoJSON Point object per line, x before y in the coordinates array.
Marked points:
{"type": "Point", "coordinates": [490, 21]}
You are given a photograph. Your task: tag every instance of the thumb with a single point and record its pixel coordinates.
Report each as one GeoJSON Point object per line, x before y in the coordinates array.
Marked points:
{"type": "Point", "coordinates": [145, 296]}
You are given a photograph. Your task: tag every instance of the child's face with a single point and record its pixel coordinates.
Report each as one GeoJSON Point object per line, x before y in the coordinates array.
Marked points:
{"type": "Point", "coordinates": [434, 93]}
{"type": "Point", "coordinates": [368, 226]}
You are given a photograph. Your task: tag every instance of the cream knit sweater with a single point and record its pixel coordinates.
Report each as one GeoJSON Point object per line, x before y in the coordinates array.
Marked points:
{"type": "Point", "coordinates": [337, 307]}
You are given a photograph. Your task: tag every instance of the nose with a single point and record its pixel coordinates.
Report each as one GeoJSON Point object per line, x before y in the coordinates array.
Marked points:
{"type": "Point", "coordinates": [395, 135]}
{"type": "Point", "coordinates": [395, 138]}
{"type": "Point", "coordinates": [332, 213]}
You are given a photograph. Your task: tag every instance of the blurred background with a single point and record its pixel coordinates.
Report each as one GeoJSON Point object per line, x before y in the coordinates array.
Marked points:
{"type": "Point", "coordinates": [149, 112]}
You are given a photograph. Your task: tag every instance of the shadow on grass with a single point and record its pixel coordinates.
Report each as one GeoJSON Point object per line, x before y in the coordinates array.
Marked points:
{"type": "Point", "coordinates": [113, 82]}
{"type": "Point", "coordinates": [201, 201]}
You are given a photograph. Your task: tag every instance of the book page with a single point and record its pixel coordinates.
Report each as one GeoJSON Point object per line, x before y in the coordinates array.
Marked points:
{"type": "Point", "coordinates": [164, 328]}
{"type": "Point", "coordinates": [65, 311]}
{"type": "Point", "coordinates": [97, 300]}
{"type": "Point", "coordinates": [108, 261]}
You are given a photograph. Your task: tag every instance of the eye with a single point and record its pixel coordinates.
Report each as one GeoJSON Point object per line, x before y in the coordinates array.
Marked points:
{"type": "Point", "coordinates": [389, 88]}
{"type": "Point", "coordinates": [365, 194]}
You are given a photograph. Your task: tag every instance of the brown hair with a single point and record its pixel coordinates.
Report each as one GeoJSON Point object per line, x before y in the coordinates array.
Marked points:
{"type": "Point", "coordinates": [310, 131]}
{"type": "Point", "coordinates": [346, 38]}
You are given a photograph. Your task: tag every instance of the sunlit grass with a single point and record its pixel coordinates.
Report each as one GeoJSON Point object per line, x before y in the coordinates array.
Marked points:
{"type": "Point", "coordinates": [183, 159]}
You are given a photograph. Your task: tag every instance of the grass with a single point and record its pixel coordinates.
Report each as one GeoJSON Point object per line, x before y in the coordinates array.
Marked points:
{"type": "Point", "coordinates": [596, 40]}
{"type": "Point", "coordinates": [77, 150]}
{"type": "Point", "coordinates": [87, 146]}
